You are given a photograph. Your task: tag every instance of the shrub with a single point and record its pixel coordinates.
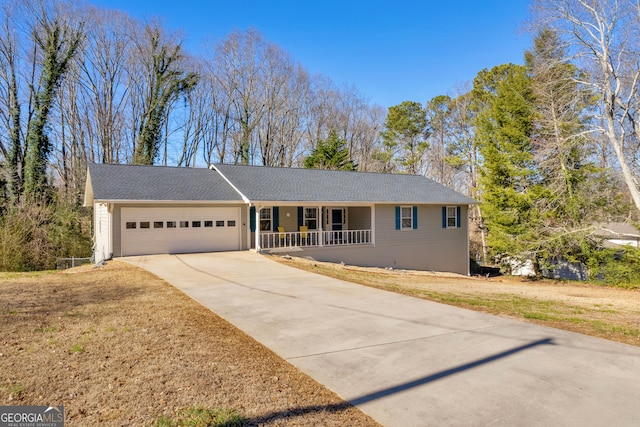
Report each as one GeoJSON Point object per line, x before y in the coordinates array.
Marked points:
{"type": "Point", "coordinates": [617, 267]}
{"type": "Point", "coordinates": [33, 235]}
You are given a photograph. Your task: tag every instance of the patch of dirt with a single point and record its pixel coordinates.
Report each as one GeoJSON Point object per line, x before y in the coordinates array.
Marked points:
{"type": "Point", "coordinates": [607, 312]}
{"type": "Point", "coordinates": [117, 346]}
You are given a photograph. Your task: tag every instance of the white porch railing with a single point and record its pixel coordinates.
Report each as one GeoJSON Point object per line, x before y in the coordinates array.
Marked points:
{"type": "Point", "coordinates": [295, 239]}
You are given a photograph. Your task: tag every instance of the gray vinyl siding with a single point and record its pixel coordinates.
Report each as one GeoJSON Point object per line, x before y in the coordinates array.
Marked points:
{"type": "Point", "coordinates": [289, 223]}
{"type": "Point", "coordinates": [429, 247]}
{"type": "Point", "coordinates": [117, 220]}
{"type": "Point", "coordinates": [116, 231]}
{"type": "Point", "coordinates": [102, 232]}
{"type": "Point", "coordinates": [359, 218]}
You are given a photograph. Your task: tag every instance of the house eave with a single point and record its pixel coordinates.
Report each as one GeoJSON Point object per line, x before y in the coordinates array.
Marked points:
{"type": "Point", "coordinates": [308, 203]}
{"type": "Point", "coordinates": [170, 202]}
{"type": "Point", "coordinates": [269, 202]}
{"type": "Point", "coordinates": [348, 203]}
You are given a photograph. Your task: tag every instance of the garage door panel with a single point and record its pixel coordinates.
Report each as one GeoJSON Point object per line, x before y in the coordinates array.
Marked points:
{"type": "Point", "coordinates": [180, 230]}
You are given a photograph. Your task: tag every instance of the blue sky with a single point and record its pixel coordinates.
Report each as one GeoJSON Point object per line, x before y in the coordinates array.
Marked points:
{"type": "Point", "coordinates": [391, 51]}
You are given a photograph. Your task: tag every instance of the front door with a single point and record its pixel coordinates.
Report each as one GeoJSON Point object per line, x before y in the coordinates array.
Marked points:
{"type": "Point", "coordinates": [336, 225]}
{"type": "Point", "coordinates": [337, 219]}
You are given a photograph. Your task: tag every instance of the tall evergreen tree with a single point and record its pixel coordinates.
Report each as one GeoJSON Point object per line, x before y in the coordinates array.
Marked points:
{"type": "Point", "coordinates": [333, 153]}
{"type": "Point", "coordinates": [576, 192]}
{"type": "Point", "coordinates": [508, 178]}
{"type": "Point", "coordinates": [405, 136]}
{"type": "Point", "coordinates": [438, 118]}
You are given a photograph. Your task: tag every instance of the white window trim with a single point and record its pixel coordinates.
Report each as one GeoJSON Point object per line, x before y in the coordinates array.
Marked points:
{"type": "Point", "coordinates": [306, 219]}
{"type": "Point", "coordinates": [270, 219]}
{"type": "Point", "coordinates": [402, 227]}
{"type": "Point", "coordinates": [454, 217]}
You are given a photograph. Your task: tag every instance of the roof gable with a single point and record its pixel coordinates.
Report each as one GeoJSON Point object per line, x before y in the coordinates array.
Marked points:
{"type": "Point", "coordinates": [267, 184]}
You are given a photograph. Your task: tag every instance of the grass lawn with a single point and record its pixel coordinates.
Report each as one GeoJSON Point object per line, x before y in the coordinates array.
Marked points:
{"type": "Point", "coordinates": [117, 346]}
{"type": "Point", "coordinates": [606, 312]}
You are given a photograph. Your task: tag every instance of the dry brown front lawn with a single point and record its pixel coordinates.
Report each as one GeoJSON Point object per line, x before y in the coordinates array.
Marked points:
{"type": "Point", "coordinates": [605, 312]}
{"type": "Point", "coordinates": [117, 346]}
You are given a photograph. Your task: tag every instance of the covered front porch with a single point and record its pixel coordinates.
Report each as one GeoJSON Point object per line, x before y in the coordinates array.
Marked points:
{"type": "Point", "coordinates": [287, 227]}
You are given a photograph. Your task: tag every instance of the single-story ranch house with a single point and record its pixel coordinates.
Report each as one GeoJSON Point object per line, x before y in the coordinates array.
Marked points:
{"type": "Point", "coordinates": [359, 218]}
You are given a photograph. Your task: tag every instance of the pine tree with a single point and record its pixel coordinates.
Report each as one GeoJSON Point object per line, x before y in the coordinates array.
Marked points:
{"type": "Point", "coordinates": [333, 153]}
{"type": "Point", "coordinates": [562, 150]}
{"type": "Point", "coordinates": [405, 136]}
{"type": "Point", "coordinates": [508, 179]}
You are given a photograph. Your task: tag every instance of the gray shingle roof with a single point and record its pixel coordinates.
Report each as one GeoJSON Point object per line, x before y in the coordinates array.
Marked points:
{"type": "Point", "coordinates": [267, 184]}
{"type": "Point", "coordinates": [262, 184]}
{"type": "Point", "coordinates": [149, 183]}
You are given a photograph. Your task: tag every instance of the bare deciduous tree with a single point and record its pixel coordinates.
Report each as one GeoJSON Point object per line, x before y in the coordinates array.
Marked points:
{"type": "Point", "coordinates": [239, 66]}
{"type": "Point", "coordinates": [12, 147]}
{"type": "Point", "coordinates": [605, 36]}
{"type": "Point", "coordinates": [162, 78]}
{"type": "Point", "coordinates": [103, 71]}
{"type": "Point", "coordinates": [55, 36]}
{"type": "Point", "coordinates": [285, 86]}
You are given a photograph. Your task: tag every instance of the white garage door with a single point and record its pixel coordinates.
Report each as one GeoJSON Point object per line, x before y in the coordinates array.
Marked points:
{"type": "Point", "coordinates": [179, 230]}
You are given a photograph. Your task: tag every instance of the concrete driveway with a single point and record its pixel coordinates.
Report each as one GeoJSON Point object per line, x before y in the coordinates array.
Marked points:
{"type": "Point", "coordinates": [410, 362]}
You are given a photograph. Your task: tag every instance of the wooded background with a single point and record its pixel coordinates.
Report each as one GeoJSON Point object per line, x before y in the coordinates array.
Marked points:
{"type": "Point", "coordinates": [550, 147]}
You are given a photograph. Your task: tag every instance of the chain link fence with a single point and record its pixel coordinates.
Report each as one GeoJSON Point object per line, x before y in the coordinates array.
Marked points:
{"type": "Point", "coordinates": [64, 263]}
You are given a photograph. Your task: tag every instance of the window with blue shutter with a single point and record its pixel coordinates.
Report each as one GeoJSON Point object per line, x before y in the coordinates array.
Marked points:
{"type": "Point", "coordinates": [406, 217]}
{"type": "Point", "coordinates": [444, 217]}
{"type": "Point", "coordinates": [415, 218]}
{"type": "Point", "coordinates": [451, 217]}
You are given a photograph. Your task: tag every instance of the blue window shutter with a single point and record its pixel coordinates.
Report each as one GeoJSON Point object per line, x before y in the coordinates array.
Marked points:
{"type": "Point", "coordinates": [275, 218]}
{"type": "Point", "coordinates": [415, 217]}
{"type": "Point", "coordinates": [458, 220]}
{"type": "Point", "coordinates": [252, 218]}
{"type": "Point", "coordinates": [444, 217]}
{"type": "Point", "coordinates": [300, 216]}
{"type": "Point", "coordinates": [397, 217]}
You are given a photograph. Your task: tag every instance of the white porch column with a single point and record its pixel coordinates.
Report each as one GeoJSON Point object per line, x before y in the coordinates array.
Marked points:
{"type": "Point", "coordinates": [373, 224]}
{"type": "Point", "coordinates": [110, 230]}
{"type": "Point", "coordinates": [320, 227]}
{"type": "Point", "coordinates": [257, 232]}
